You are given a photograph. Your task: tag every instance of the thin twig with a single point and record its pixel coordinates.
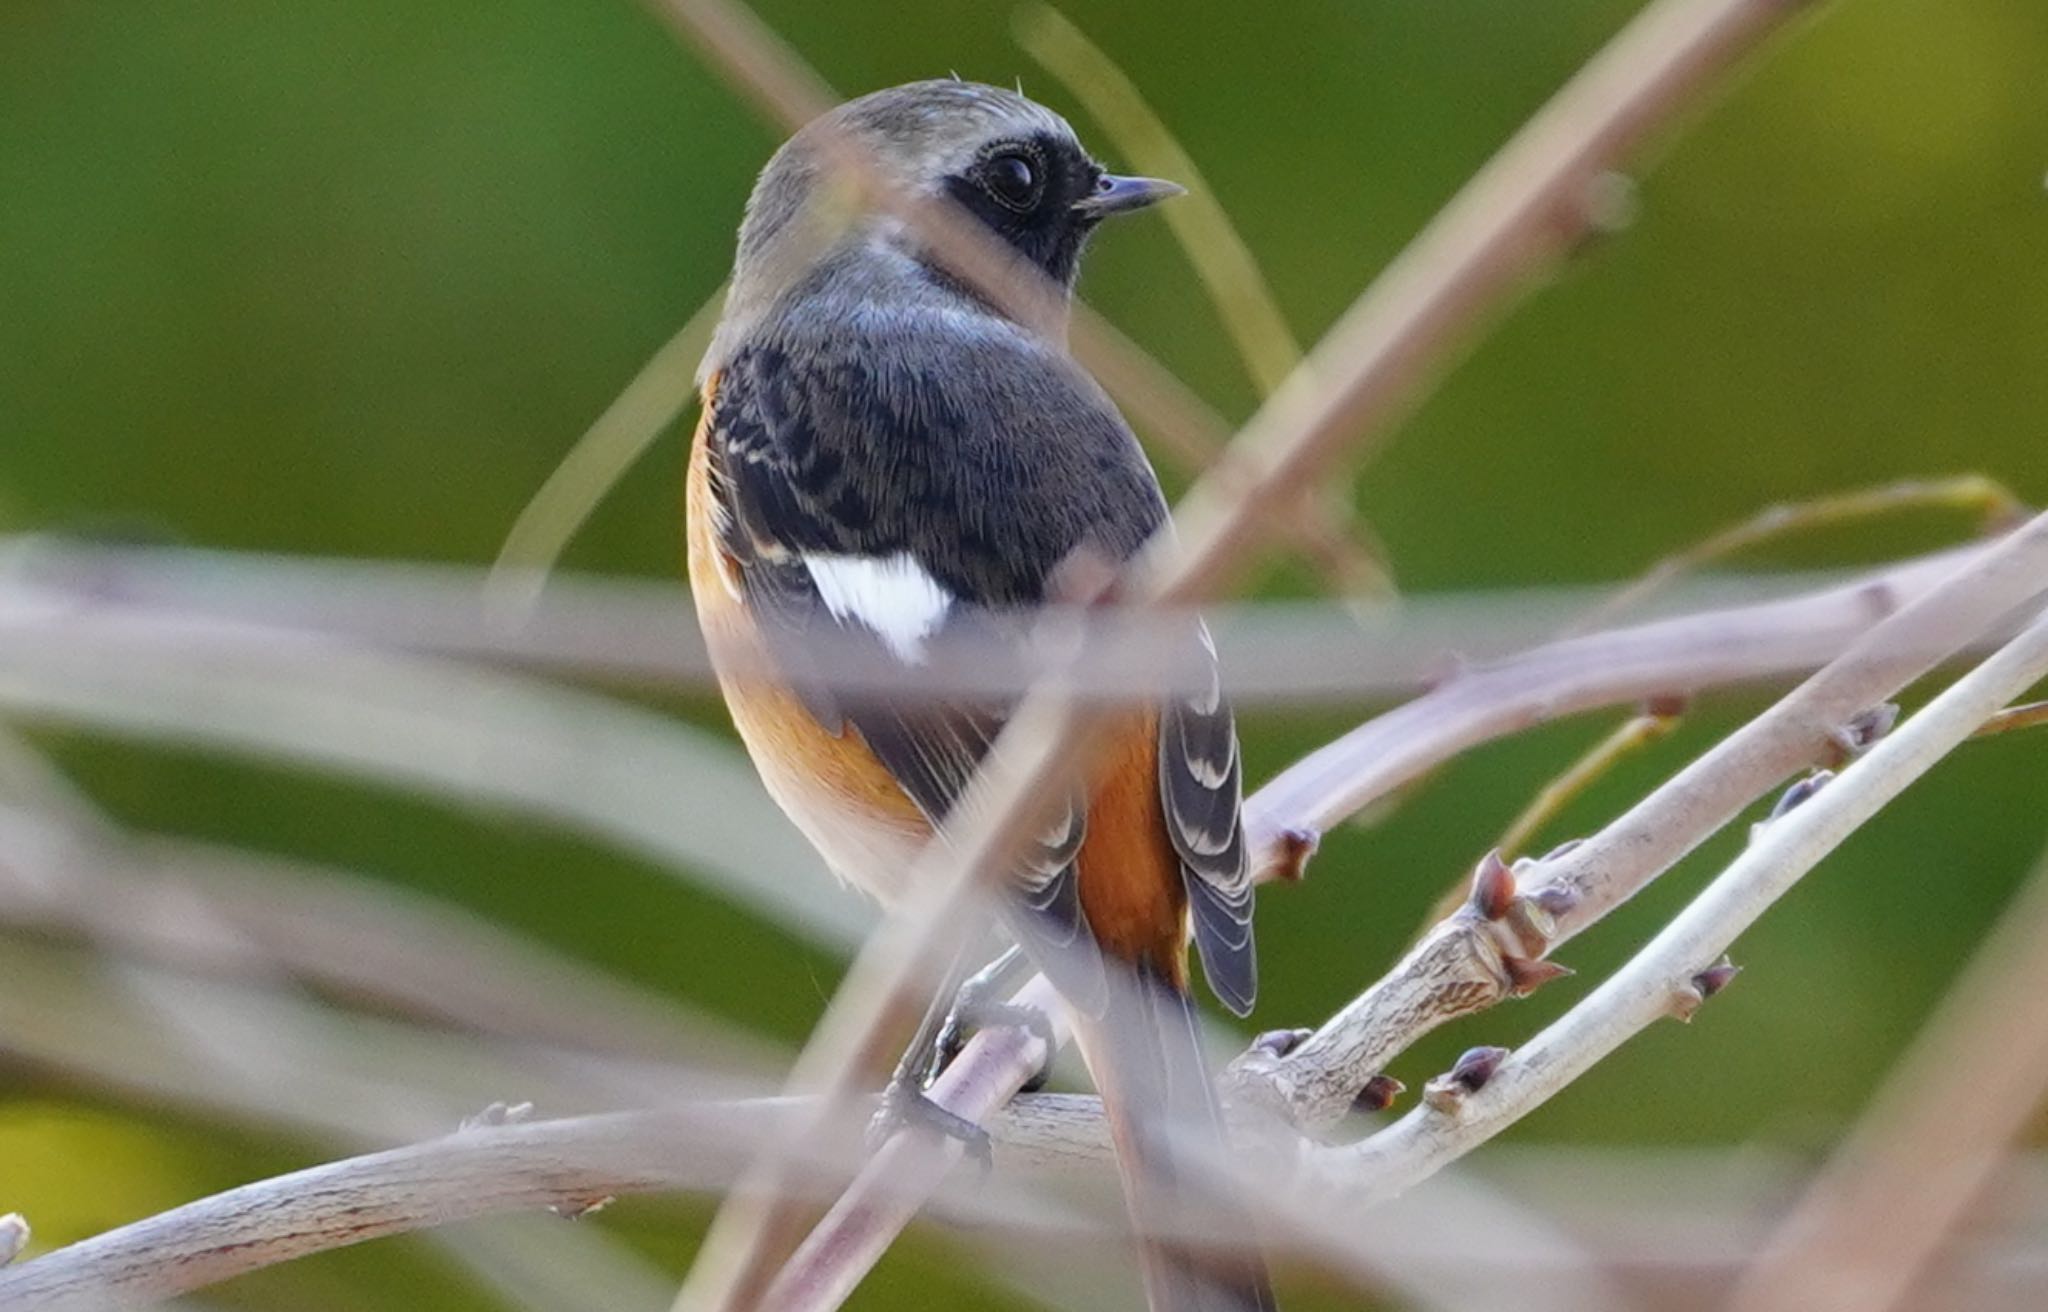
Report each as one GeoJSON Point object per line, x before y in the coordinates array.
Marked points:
{"type": "Point", "coordinates": [654, 786]}
{"type": "Point", "coordinates": [656, 397]}
{"type": "Point", "coordinates": [2012, 718]}
{"type": "Point", "coordinates": [1631, 736]}
{"type": "Point", "coordinates": [1049, 739]}
{"type": "Point", "coordinates": [236, 1038]}
{"type": "Point", "coordinates": [517, 1166]}
{"type": "Point", "coordinates": [1329, 530]}
{"type": "Point", "coordinates": [1245, 305]}
{"type": "Point", "coordinates": [1459, 969]}
{"type": "Point", "coordinates": [1996, 507]}
{"type": "Point", "coordinates": [280, 695]}
{"type": "Point", "coordinates": [820, 1273]}
{"type": "Point", "coordinates": [233, 914]}
{"type": "Point", "coordinates": [1477, 704]}
{"type": "Point", "coordinates": [775, 78]}
{"type": "Point", "coordinates": [1615, 1209]}
{"type": "Point", "coordinates": [1700, 650]}
{"type": "Point", "coordinates": [789, 93]}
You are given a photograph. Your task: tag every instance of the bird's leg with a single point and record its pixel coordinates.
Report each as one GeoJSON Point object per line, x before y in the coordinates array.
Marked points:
{"type": "Point", "coordinates": [961, 1007]}
{"type": "Point", "coordinates": [919, 1064]}
{"type": "Point", "coordinates": [905, 1103]}
{"type": "Point", "coordinates": [979, 1005]}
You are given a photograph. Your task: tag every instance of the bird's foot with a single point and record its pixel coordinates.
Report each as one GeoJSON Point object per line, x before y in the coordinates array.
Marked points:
{"type": "Point", "coordinates": [972, 1013]}
{"type": "Point", "coordinates": [907, 1107]}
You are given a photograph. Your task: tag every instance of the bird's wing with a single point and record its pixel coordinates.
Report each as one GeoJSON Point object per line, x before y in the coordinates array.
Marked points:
{"type": "Point", "coordinates": [852, 497]}
{"type": "Point", "coordinates": [1201, 784]}
{"type": "Point", "coordinates": [853, 481]}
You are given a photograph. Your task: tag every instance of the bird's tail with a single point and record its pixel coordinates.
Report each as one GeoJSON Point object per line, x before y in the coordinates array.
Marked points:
{"type": "Point", "coordinates": [1145, 1055]}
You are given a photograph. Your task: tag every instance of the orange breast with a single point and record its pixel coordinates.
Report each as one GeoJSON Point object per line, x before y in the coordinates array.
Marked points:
{"type": "Point", "coordinates": [826, 780]}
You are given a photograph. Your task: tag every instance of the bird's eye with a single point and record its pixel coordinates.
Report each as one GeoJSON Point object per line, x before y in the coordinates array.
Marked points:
{"type": "Point", "coordinates": [1013, 180]}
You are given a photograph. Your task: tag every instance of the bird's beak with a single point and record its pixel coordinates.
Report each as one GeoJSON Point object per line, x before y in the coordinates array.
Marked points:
{"type": "Point", "coordinates": [1115, 195]}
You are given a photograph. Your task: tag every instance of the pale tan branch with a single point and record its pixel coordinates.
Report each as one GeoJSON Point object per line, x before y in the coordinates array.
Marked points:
{"type": "Point", "coordinates": [1495, 947]}
{"type": "Point", "coordinates": [1523, 211]}
{"type": "Point", "coordinates": [1328, 530]}
{"type": "Point", "coordinates": [1996, 507]}
{"type": "Point", "coordinates": [256, 1045]}
{"type": "Point", "coordinates": [1668, 977]}
{"type": "Point", "coordinates": [2013, 718]}
{"type": "Point", "coordinates": [1681, 656]}
{"type": "Point", "coordinates": [845, 1244]}
{"type": "Point", "coordinates": [565, 1165]}
{"type": "Point", "coordinates": [58, 598]}
{"type": "Point", "coordinates": [659, 394]}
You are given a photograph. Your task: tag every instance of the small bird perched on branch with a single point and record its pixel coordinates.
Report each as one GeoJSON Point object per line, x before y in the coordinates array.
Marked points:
{"type": "Point", "coordinates": [891, 453]}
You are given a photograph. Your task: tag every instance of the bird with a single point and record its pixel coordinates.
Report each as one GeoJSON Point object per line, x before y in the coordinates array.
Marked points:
{"type": "Point", "coordinates": [888, 456]}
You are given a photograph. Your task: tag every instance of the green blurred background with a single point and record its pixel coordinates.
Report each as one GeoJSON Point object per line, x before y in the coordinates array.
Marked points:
{"type": "Point", "coordinates": [348, 279]}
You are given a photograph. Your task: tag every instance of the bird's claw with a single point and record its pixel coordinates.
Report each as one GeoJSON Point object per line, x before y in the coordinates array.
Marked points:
{"type": "Point", "coordinates": [973, 1012]}
{"type": "Point", "coordinates": [905, 1107]}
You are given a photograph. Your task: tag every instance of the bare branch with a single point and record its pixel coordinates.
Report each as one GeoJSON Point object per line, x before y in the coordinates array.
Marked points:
{"type": "Point", "coordinates": [1630, 736]}
{"type": "Point", "coordinates": [651, 785]}
{"type": "Point", "coordinates": [262, 1044]}
{"type": "Point", "coordinates": [56, 596]}
{"type": "Point", "coordinates": [1627, 738]}
{"type": "Point", "coordinates": [1480, 956]}
{"type": "Point", "coordinates": [886, 1196]}
{"type": "Point", "coordinates": [1664, 658]}
{"type": "Point", "coordinates": [1480, 703]}
{"type": "Point", "coordinates": [1244, 302]}
{"type": "Point", "coordinates": [1660, 980]}
{"type": "Point", "coordinates": [1521, 212]}
{"type": "Point", "coordinates": [233, 914]}
{"type": "Point", "coordinates": [564, 1165]}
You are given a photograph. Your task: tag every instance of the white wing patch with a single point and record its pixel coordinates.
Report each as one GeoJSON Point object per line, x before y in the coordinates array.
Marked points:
{"type": "Point", "coordinates": [890, 596]}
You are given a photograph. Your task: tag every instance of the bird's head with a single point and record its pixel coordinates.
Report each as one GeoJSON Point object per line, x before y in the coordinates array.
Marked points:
{"type": "Point", "coordinates": [1011, 163]}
